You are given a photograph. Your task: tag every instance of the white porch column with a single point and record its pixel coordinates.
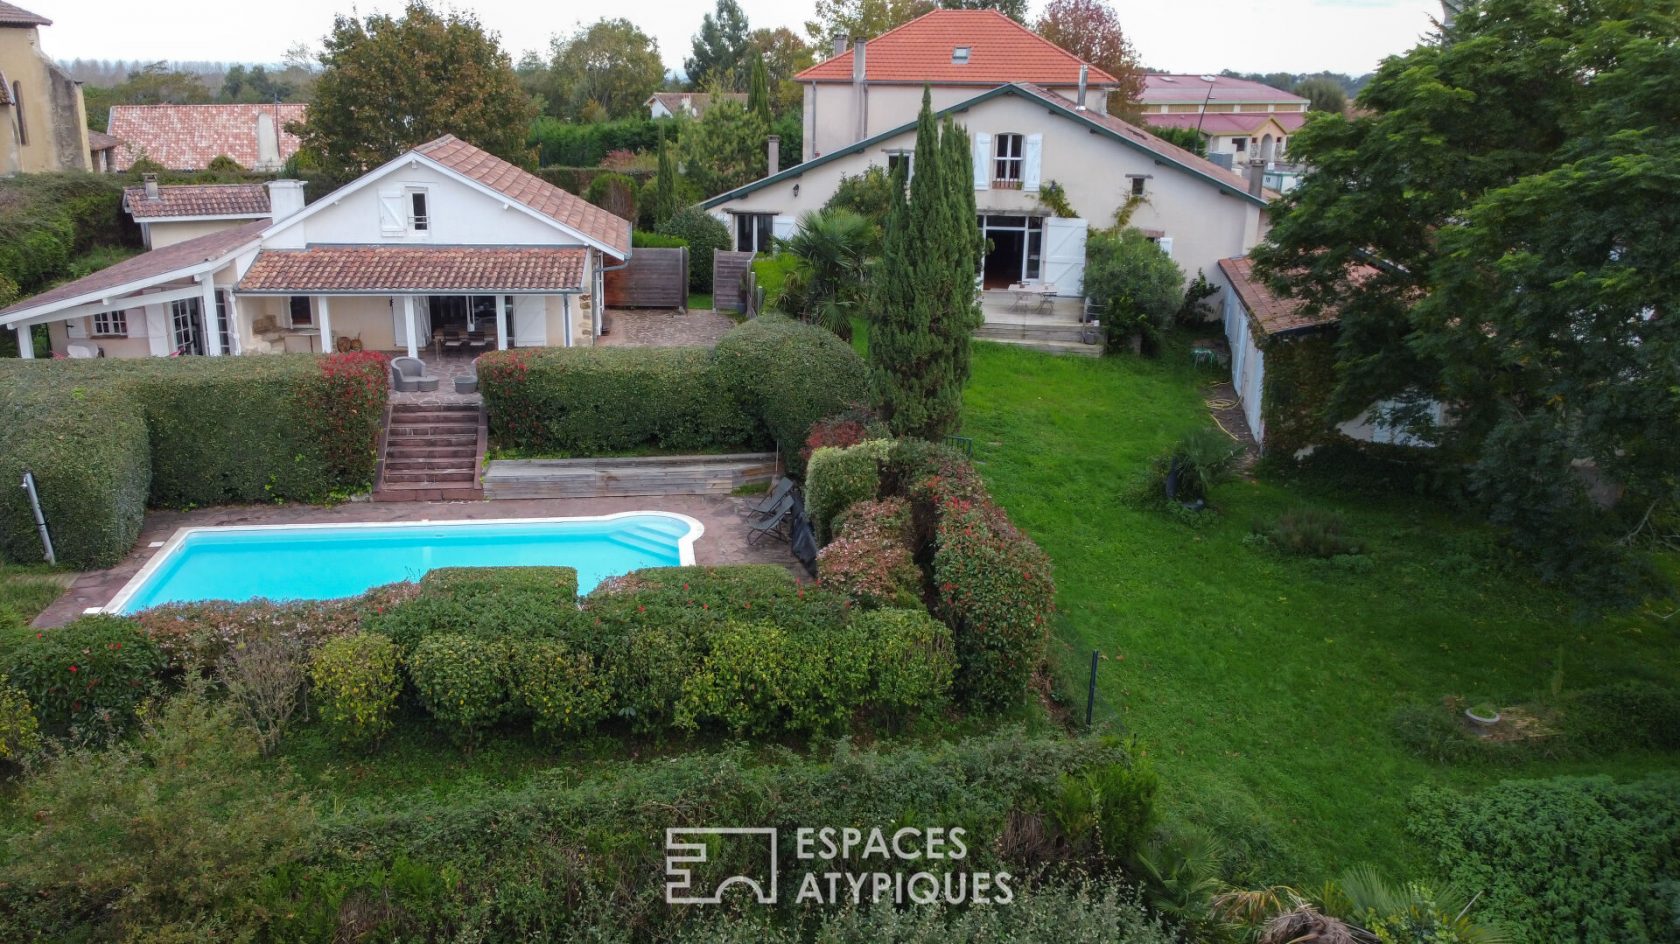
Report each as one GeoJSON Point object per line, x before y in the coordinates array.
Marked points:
{"type": "Point", "coordinates": [207, 305]}
{"type": "Point", "coordinates": [408, 322]}
{"type": "Point", "coordinates": [501, 322]}
{"type": "Point", "coordinates": [26, 341]}
{"type": "Point", "coordinates": [566, 308]}
{"type": "Point", "coordinates": [326, 325]}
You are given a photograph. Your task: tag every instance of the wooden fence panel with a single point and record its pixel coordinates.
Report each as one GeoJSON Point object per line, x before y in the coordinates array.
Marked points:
{"type": "Point", "coordinates": [728, 269]}
{"type": "Point", "coordinates": [655, 278]}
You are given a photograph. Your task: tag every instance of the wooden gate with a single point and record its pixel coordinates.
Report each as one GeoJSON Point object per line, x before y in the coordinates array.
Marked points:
{"type": "Point", "coordinates": [655, 278]}
{"type": "Point", "coordinates": [728, 270]}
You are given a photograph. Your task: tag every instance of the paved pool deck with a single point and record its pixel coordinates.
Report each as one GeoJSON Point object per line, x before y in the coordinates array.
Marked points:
{"type": "Point", "coordinates": [725, 518]}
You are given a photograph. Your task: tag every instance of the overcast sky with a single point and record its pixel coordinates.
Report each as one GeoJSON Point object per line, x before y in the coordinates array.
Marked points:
{"type": "Point", "coordinates": [1348, 36]}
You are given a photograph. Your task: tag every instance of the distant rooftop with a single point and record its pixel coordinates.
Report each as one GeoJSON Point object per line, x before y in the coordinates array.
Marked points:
{"type": "Point", "coordinates": [960, 47]}
{"type": "Point", "coordinates": [1161, 88]}
{"type": "Point", "coordinates": [18, 16]}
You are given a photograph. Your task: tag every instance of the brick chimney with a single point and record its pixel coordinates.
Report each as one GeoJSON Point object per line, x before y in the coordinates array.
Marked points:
{"type": "Point", "coordinates": [773, 155]}
{"type": "Point", "coordinates": [150, 180]}
{"type": "Point", "coordinates": [1256, 176]}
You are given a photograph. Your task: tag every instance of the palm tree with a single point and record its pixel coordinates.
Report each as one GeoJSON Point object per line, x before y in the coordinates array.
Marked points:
{"type": "Point", "coordinates": [1362, 907]}
{"type": "Point", "coordinates": [829, 283]}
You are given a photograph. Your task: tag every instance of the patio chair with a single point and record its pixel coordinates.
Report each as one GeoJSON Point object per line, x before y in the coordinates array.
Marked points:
{"type": "Point", "coordinates": [780, 491]}
{"type": "Point", "coordinates": [454, 339]}
{"type": "Point", "coordinates": [478, 341]}
{"type": "Point", "coordinates": [773, 523]}
{"type": "Point", "coordinates": [408, 375]}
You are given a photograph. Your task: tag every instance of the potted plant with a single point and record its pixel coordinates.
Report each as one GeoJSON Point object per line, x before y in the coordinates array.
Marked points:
{"type": "Point", "coordinates": [1482, 713]}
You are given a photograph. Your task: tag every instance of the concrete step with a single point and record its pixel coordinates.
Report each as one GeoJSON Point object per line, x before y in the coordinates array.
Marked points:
{"type": "Point", "coordinates": [1072, 348]}
{"type": "Point", "coordinates": [435, 463]}
{"type": "Point", "coordinates": [1050, 331]}
{"type": "Point", "coordinates": [431, 429]}
{"type": "Point", "coordinates": [425, 449]}
{"type": "Point", "coordinates": [415, 414]}
{"type": "Point", "coordinates": [427, 476]}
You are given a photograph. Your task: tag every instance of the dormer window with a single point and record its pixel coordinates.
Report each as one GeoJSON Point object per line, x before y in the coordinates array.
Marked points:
{"type": "Point", "coordinates": [405, 212]}
{"type": "Point", "coordinates": [418, 219]}
{"type": "Point", "coordinates": [959, 55]}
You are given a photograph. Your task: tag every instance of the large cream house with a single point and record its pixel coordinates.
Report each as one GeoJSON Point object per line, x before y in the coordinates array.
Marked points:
{"type": "Point", "coordinates": [1244, 119]}
{"type": "Point", "coordinates": [443, 236]}
{"type": "Point", "coordinates": [41, 107]}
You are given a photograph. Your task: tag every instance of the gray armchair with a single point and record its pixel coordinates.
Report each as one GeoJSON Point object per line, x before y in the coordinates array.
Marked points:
{"type": "Point", "coordinates": [408, 375]}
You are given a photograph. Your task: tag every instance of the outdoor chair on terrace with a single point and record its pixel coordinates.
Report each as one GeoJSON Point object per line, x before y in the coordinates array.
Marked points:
{"type": "Point", "coordinates": [783, 486]}
{"type": "Point", "coordinates": [454, 339]}
{"type": "Point", "coordinates": [478, 341]}
{"type": "Point", "coordinates": [773, 523]}
{"type": "Point", "coordinates": [408, 375]}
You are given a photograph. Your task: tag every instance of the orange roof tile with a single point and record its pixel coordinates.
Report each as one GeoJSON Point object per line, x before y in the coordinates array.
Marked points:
{"type": "Point", "coordinates": [1270, 312]}
{"type": "Point", "coordinates": [452, 269]}
{"type": "Point", "coordinates": [1000, 51]}
{"type": "Point", "coordinates": [189, 137]}
{"type": "Point", "coordinates": [532, 191]}
{"type": "Point", "coordinates": [197, 200]}
{"type": "Point", "coordinates": [18, 16]}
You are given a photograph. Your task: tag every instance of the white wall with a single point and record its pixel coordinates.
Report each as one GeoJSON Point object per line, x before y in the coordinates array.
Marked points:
{"type": "Point", "coordinates": [831, 111]}
{"type": "Point", "coordinates": [1248, 362]}
{"type": "Point", "coordinates": [1205, 222]}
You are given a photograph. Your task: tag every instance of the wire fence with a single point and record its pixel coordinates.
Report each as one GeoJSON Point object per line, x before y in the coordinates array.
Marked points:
{"type": "Point", "coordinates": [1084, 679]}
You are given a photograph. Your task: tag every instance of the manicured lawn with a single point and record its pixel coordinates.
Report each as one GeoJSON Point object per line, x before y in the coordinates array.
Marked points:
{"type": "Point", "coordinates": [699, 301]}
{"type": "Point", "coordinates": [1264, 686]}
{"type": "Point", "coordinates": [24, 592]}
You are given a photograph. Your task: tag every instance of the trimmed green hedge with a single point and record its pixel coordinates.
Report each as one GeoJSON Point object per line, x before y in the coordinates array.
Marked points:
{"type": "Point", "coordinates": [790, 375]}
{"type": "Point", "coordinates": [836, 479]}
{"type": "Point", "coordinates": [105, 437]}
{"type": "Point", "coordinates": [47, 220]}
{"type": "Point", "coordinates": [769, 376]}
{"type": "Point", "coordinates": [597, 400]}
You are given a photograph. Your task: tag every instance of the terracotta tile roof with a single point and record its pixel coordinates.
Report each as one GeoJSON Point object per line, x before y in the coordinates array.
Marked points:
{"type": "Point", "coordinates": [197, 200]}
{"type": "Point", "coordinates": [532, 191]}
{"type": "Point", "coordinates": [155, 265]}
{"type": "Point", "coordinates": [100, 141]}
{"type": "Point", "coordinates": [693, 103]}
{"type": "Point", "coordinates": [1150, 142]}
{"type": "Point", "coordinates": [18, 16]}
{"type": "Point", "coordinates": [1230, 122]}
{"type": "Point", "coordinates": [1268, 311]}
{"type": "Point", "coordinates": [484, 270]}
{"type": "Point", "coordinates": [1161, 88]}
{"type": "Point", "coordinates": [189, 137]}
{"type": "Point", "coordinates": [1000, 51]}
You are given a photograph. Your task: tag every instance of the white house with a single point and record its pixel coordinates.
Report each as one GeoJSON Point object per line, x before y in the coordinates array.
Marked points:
{"type": "Point", "coordinates": [875, 85]}
{"type": "Point", "coordinates": [686, 104]}
{"type": "Point", "coordinates": [1245, 136]}
{"type": "Point", "coordinates": [1025, 137]}
{"type": "Point", "coordinates": [443, 236]}
{"type": "Point", "coordinates": [171, 214]}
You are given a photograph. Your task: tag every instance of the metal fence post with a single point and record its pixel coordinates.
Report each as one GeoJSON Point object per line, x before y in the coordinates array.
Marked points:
{"type": "Point", "coordinates": [40, 519]}
{"type": "Point", "coordinates": [1091, 691]}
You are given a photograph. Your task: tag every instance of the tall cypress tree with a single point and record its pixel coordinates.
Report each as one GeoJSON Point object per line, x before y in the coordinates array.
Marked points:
{"type": "Point", "coordinates": [918, 343]}
{"type": "Point", "coordinates": [664, 183]}
{"type": "Point", "coordinates": [758, 88]}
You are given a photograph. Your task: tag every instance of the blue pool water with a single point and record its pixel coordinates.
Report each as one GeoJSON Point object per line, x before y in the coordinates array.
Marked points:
{"type": "Point", "coordinates": [317, 563]}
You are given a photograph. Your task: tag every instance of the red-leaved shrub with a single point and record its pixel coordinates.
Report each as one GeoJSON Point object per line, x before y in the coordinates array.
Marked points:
{"type": "Point", "coordinates": [870, 562]}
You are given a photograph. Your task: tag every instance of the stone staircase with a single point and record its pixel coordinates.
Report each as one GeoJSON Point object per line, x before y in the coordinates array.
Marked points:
{"type": "Point", "coordinates": [1052, 337]}
{"type": "Point", "coordinates": [432, 453]}
{"type": "Point", "coordinates": [616, 477]}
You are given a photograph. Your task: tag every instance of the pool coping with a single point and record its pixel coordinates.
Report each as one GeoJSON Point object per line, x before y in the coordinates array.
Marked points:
{"type": "Point", "coordinates": [685, 543]}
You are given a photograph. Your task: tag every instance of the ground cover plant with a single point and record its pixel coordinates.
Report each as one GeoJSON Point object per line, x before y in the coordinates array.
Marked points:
{"type": "Point", "coordinates": [1266, 684]}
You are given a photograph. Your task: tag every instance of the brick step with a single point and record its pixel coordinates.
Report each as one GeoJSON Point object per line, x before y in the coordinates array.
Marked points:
{"type": "Point", "coordinates": [439, 463]}
{"type": "Point", "coordinates": [398, 430]}
{"type": "Point", "coordinates": [433, 415]}
{"type": "Point", "coordinates": [424, 449]}
{"type": "Point", "coordinates": [455, 441]}
{"type": "Point", "coordinates": [428, 475]}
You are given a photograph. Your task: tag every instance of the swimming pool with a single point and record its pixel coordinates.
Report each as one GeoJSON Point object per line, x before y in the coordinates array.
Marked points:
{"type": "Point", "coordinates": [322, 561]}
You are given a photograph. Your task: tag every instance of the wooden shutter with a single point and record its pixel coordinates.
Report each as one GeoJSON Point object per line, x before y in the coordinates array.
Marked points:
{"type": "Point", "coordinates": [982, 161]}
{"type": "Point", "coordinates": [393, 213]}
{"type": "Point", "coordinates": [1032, 157]}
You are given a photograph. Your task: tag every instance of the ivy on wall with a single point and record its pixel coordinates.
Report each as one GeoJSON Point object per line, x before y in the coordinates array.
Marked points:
{"type": "Point", "coordinates": [1300, 373]}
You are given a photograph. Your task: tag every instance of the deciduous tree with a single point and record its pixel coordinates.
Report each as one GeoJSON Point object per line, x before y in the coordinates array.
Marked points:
{"type": "Point", "coordinates": [851, 19]}
{"type": "Point", "coordinates": [391, 83]}
{"type": "Point", "coordinates": [1325, 94]}
{"type": "Point", "coordinates": [610, 63]}
{"type": "Point", "coordinates": [1090, 29]}
{"type": "Point", "coordinates": [1511, 186]}
{"type": "Point", "coordinates": [785, 55]}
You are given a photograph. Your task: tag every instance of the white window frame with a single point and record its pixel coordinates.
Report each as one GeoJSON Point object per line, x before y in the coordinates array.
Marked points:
{"type": "Point", "coordinates": [291, 320]}
{"type": "Point", "coordinates": [181, 323]}
{"type": "Point", "coordinates": [110, 324]}
{"type": "Point", "coordinates": [907, 155]}
{"type": "Point", "coordinates": [768, 232]}
{"type": "Point", "coordinates": [1009, 157]}
{"type": "Point", "coordinates": [418, 222]}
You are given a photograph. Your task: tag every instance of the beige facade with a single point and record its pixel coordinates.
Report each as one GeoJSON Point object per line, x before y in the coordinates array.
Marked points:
{"type": "Point", "coordinates": [44, 116]}
{"type": "Point", "coordinates": [1202, 219]}
{"type": "Point", "coordinates": [840, 114]}
{"type": "Point", "coordinates": [166, 232]}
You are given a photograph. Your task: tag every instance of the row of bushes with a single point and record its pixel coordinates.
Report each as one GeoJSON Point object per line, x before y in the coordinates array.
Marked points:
{"type": "Point", "coordinates": [740, 649]}
{"type": "Point", "coordinates": [988, 581]}
{"type": "Point", "coordinates": [46, 220]}
{"type": "Point", "coordinates": [186, 830]}
{"type": "Point", "coordinates": [766, 381]}
{"type": "Point", "coordinates": [106, 437]}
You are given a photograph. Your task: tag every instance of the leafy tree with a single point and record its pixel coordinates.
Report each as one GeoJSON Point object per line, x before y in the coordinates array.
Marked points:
{"type": "Point", "coordinates": [785, 55]}
{"type": "Point", "coordinates": [1187, 138]}
{"type": "Point", "coordinates": [724, 147]}
{"type": "Point", "coordinates": [1325, 95]}
{"type": "Point", "coordinates": [1090, 29]}
{"type": "Point", "coordinates": [828, 284]}
{"type": "Point", "coordinates": [391, 83]}
{"type": "Point", "coordinates": [1014, 9]}
{"type": "Point", "coordinates": [924, 299]}
{"type": "Point", "coordinates": [848, 19]}
{"type": "Point", "coordinates": [152, 84]}
{"type": "Point", "coordinates": [758, 87]}
{"type": "Point", "coordinates": [610, 64]}
{"type": "Point", "coordinates": [1522, 265]}
{"type": "Point", "coordinates": [1139, 285]}
{"type": "Point", "coordinates": [869, 194]}
{"type": "Point", "coordinates": [720, 49]}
